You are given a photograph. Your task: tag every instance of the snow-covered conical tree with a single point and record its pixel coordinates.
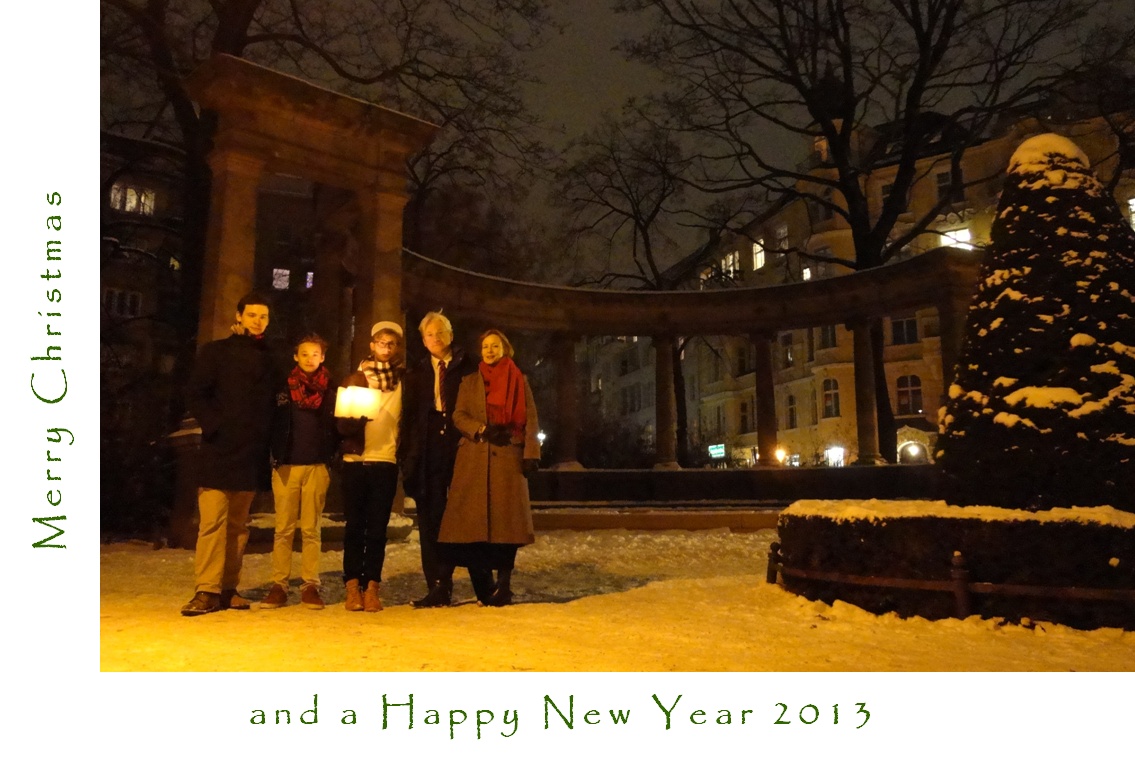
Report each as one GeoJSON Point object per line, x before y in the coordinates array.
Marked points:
{"type": "Point", "coordinates": [1042, 410]}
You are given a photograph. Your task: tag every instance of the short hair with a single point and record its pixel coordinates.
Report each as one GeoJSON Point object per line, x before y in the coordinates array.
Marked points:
{"type": "Point", "coordinates": [312, 338]}
{"type": "Point", "coordinates": [252, 298]}
{"type": "Point", "coordinates": [435, 315]}
{"type": "Point", "coordinates": [398, 343]}
{"type": "Point", "coordinates": [508, 351]}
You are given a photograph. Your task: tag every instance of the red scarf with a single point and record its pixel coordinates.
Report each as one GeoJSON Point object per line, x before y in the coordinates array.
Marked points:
{"type": "Point", "coordinates": [504, 395]}
{"type": "Point", "coordinates": [307, 389]}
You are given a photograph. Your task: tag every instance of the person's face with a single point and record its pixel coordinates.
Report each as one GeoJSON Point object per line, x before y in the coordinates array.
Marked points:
{"type": "Point", "coordinates": [254, 319]}
{"type": "Point", "coordinates": [436, 339]}
{"type": "Point", "coordinates": [309, 356]}
{"type": "Point", "coordinates": [384, 345]}
{"type": "Point", "coordinates": [492, 349]}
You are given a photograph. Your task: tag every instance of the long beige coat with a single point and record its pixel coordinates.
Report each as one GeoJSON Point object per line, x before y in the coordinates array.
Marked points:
{"type": "Point", "coordinates": [488, 497]}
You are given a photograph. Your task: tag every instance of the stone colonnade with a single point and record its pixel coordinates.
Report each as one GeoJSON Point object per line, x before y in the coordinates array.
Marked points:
{"type": "Point", "coordinates": [271, 123]}
{"type": "Point", "coordinates": [943, 279]}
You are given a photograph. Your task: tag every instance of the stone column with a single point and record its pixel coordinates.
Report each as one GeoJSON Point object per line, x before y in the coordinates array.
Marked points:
{"type": "Point", "coordinates": [378, 289]}
{"type": "Point", "coordinates": [665, 409]}
{"type": "Point", "coordinates": [952, 313]}
{"type": "Point", "coordinates": [866, 419]}
{"type": "Point", "coordinates": [230, 242]}
{"type": "Point", "coordinates": [567, 402]}
{"type": "Point", "coordinates": [766, 397]}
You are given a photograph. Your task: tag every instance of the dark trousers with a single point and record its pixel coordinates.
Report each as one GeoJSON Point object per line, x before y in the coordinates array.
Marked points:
{"type": "Point", "coordinates": [368, 497]}
{"type": "Point", "coordinates": [434, 490]}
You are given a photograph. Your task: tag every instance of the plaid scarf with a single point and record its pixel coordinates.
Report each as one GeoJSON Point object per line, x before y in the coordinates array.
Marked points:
{"type": "Point", "coordinates": [382, 376]}
{"type": "Point", "coordinates": [307, 389]}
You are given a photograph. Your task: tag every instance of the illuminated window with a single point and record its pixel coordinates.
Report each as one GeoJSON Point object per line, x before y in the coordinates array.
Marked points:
{"type": "Point", "coordinates": [831, 398]}
{"type": "Point", "coordinates": [909, 395]}
{"type": "Point", "coordinates": [759, 254]}
{"type": "Point", "coordinates": [310, 279]}
{"type": "Point", "coordinates": [834, 456]}
{"type": "Point", "coordinates": [786, 357]}
{"type": "Point", "coordinates": [806, 274]}
{"type": "Point", "coordinates": [782, 237]}
{"type": "Point", "coordinates": [281, 278]}
{"type": "Point", "coordinates": [1131, 211]}
{"type": "Point", "coordinates": [731, 264]}
{"type": "Point", "coordinates": [957, 238]}
{"type": "Point", "coordinates": [132, 199]}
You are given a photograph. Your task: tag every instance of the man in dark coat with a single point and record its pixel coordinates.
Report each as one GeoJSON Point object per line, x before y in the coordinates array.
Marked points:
{"type": "Point", "coordinates": [230, 393]}
{"type": "Point", "coordinates": [429, 447]}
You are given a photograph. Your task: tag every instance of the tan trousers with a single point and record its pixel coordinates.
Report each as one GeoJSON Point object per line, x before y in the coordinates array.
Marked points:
{"type": "Point", "coordinates": [300, 492]}
{"type": "Point", "coordinates": [221, 538]}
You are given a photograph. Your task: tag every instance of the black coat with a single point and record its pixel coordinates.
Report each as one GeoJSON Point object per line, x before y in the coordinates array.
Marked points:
{"type": "Point", "coordinates": [284, 420]}
{"type": "Point", "coordinates": [417, 402]}
{"type": "Point", "coordinates": [230, 393]}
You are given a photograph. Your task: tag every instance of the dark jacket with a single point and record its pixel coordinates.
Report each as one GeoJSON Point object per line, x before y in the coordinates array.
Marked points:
{"type": "Point", "coordinates": [417, 402]}
{"type": "Point", "coordinates": [230, 393]}
{"type": "Point", "coordinates": [284, 422]}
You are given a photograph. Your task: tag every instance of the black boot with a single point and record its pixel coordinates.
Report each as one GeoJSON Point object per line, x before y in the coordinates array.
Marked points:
{"type": "Point", "coordinates": [439, 595]}
{"type": "Point", "coordinates": [502, 595]}
{"type": "Point", "coordinates": [483, 586]}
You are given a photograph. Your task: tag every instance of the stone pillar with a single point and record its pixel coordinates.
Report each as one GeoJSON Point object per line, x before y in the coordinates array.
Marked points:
{"type": "Point", "coordinates": [378, 289]}
{"type": "Point", "coordinates": [567, 402]}
{"type": "Point", "coordinates": [230, 242]}
{"type": "Point", "coordinates": [866, 419]}
{"type": "Point", "coordinates": [766, 397]}
{"type": "Point", "coordinates": [952, 313]}
{"type": "Point", "coordinates": [665, 409]}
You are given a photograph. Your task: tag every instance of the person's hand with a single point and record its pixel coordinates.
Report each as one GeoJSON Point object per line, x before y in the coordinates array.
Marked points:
{"type": "Point", "coordinates": [498, 434]}
{"type": "Point", "coordinates": [530, 466]}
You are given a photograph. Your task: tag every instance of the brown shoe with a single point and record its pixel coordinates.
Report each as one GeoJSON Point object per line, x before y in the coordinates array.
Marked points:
{"type": "Point", "coordinates": [371, 601]}
{"type": "Point", "coordinates": [202, 602]}
{"type": "Point", "coordinates": [354, 601]}
{"type": "Point", "coordinates": [309, 597]}
{"type": "Point", "coordinates": [277, 597]}
{"type": "Point", "coordinates": [230, 600]}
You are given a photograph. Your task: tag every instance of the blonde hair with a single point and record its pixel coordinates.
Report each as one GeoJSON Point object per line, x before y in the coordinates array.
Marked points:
{"type": "Point", "coordinates": [435, 315]}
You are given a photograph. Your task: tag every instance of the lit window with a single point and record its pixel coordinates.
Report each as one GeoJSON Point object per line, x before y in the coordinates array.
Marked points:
{"type": "Point", "coordinates": [132, 199]}
{"type": "Point", "coordinates": [786, 357]}
{"type": "Point", "coordinates": [731, 264]}
{"type": "Point", "coordinates": [904, 330]}
{"type": "Point", "coordinates": [834, 456]}
{"type": "Point", "coordinates": [957, 238]}
{"type": "Point", "coordinates": [909, 395]}
{"type": "Point", "coordinates": [310, 279]}
{"type": "Point", "coordinates": [281, 278]}
{"type": "Point", "coordinates": [806, 274]}
{"type": "Point", "coordinates": [790, 415]}
{"type": "Point", "coordinates": [759, 253]}
{"type": "Point", "coordinates": [1131, 211]}
{"type": "Point", "coordinates": [831, 398]}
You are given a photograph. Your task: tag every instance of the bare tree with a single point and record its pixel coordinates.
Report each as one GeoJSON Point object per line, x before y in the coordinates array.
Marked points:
{"type": "Point", "coordinates": [868, 81]}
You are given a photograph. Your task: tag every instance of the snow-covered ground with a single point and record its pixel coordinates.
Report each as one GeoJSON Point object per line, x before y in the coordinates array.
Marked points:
{"type": "Point", "coordinates": [586, 601]}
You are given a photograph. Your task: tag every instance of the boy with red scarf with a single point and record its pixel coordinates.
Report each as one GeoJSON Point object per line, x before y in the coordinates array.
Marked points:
{"type": "Point", "coordinates": [303, 444]}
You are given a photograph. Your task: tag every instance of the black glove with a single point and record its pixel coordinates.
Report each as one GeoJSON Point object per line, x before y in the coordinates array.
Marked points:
{"type": "Point", "coordinates": [498, 434]}
{"type": "Point", "coordinates": [530, 466]}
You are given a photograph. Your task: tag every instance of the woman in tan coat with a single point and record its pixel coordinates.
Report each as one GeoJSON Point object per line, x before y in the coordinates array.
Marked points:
{"type": "Point", "coordinates": [488, 516]}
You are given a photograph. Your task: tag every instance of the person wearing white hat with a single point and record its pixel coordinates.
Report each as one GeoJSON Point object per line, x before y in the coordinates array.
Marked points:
{"type": "Point", "coordinates": [370, 467]}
